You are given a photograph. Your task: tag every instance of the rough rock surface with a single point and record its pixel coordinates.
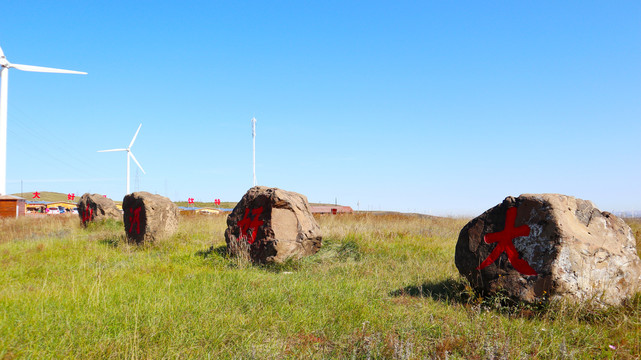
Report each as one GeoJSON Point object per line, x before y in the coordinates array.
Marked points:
{"type": "Point", "coordinates": [563, 247]}
{"type": "Point", "coordinates": [149, 217]}
{"type": "Point", "coordinates": [96, 207]}
{"type": "Point", "coordinates": [272, 225]}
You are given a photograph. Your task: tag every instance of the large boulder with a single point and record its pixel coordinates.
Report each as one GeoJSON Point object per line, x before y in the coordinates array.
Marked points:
{"type": "Point", "coordinates": [96, 207]}
{"type": "Point", "coordinates": [272, 225]}
{"type": "Point", "coordinates": [149, 217]}
{"type": "Point", "coordinates": [550, 246]}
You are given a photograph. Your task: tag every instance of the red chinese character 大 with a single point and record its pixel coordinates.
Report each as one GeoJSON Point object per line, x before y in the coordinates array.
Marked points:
{"type": "Point", "coordinates": [134, 219]}
{"type": "Point", "coordinates": [71, 196]}
{"type": "Point", "coordinates": [246, 224]}
{"type": "Point", "coordinates": [87, 215]}
{"type": "Point", "coordinates": [190, 200]}
{"type": "Point", "coordinates": [36, 195]}
{"type": "Point", "coordinates": [504, 244]}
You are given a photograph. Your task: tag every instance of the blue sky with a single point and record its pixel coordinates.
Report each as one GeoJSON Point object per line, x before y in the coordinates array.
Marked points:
{"type": "Point", "coordinates": [440, 107]}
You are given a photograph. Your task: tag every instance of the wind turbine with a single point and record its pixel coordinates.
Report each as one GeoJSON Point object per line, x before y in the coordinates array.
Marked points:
{"type": "Point", "coordinates": [129, 155]}
{"type": "Point", "coordinates": [254, 147]}
{"type": "Point", "coordinates": [5, 65]}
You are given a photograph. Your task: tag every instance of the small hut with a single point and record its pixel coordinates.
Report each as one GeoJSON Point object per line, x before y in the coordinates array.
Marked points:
{"type": "Point", "coordinates": [12, 206]}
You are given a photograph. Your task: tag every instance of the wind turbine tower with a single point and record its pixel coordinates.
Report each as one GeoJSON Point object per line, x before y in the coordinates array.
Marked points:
{"type": "Point", "coordinates": [254, 147]}
{"type": "Point", "coordinates": [5, 65]}
{"type": "Point", "coordinates": [130, 155]}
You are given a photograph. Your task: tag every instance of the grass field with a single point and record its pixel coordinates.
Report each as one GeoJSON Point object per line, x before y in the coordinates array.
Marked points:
{"type": "Point", "coordinates": [383, 286]}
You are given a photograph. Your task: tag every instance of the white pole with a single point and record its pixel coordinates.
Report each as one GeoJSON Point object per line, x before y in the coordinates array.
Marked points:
{"type": "Point", "coordinates": [4, 86]}
{"type": "Point", "coordinates": [127, 172]}
{"type": "Point", "coordinates": [254, 147]}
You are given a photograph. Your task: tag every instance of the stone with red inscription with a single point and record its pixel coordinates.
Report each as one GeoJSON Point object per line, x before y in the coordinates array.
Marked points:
{"type": "Point", "coordinates": [96, 207]}
{"type": "Point", "coordinates": [149, 217]}
{"type": "Point", "coordinates": [272, 225]}
{"type": "Point", "coordinates": [550, 246]}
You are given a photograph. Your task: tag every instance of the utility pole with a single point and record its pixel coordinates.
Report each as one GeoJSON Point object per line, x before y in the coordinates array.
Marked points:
{"type": "Point", "coordinates": [254, 148]}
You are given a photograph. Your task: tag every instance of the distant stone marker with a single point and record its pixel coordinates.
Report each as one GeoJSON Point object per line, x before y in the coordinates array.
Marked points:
{"type": "Point", "coordinates": [272, 225]}
{"type": "Point", "coordinates": [149, 217]}
{"type": "Point", "coordinates": [553, 246]}
{"type": "Point", "coordinates": [96, 207]}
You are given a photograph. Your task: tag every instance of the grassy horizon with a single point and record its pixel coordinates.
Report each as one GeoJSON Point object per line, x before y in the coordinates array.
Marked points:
{"type": "Point", "coordinates": [382, 286]}
{"type": "Point", "coordinates": [56, 196]}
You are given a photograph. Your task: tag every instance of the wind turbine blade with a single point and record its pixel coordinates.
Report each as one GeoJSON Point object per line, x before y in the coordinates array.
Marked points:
{"type": "Point", "coordinates": [112, 150]}
{"type": "Point", "coordinates": [44, 69]}
{"type": "Point", "coordinates": [137, 163]}
{"type": "Point", "coordinates": [1, 52]}
{"type": "Point", "coordinates": [134, 139]}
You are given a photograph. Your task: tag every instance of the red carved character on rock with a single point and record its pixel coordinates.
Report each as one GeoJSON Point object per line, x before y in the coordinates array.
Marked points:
{"type": "Point", "coordinates": [134, 219]}
{"type": "Point", "coordinates": [250, 223]}
{"type": "Point", "coordinates": [504, 244]}
{"type": "Point", "coordinates": [87, 215]}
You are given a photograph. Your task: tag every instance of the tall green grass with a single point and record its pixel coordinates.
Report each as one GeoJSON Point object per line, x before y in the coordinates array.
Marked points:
{"type": "Point", "coordinates": [382, 286]}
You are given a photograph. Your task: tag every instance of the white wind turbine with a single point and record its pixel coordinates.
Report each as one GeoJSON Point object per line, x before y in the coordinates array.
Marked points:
{"type": "Point", "coordinates": [129, 155]}
{"type": "Point", "coordinates": [5, 65]}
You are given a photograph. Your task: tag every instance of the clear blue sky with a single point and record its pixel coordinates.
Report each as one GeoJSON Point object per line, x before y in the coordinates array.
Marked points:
{"type": "Point", "coordinates": [435, 107]}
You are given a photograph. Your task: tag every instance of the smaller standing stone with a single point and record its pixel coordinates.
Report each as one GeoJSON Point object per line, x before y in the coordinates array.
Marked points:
{"type": "Point", "coordinates": [96, 207]}
{"type": "Point", "coordinates": [149, 217]}
{"type": "Point", "coordinates": [272, 225]}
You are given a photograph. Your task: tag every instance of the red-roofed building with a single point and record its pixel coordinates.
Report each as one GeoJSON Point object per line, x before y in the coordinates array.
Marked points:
{"type": "Point", "coordinates": [328, 209]}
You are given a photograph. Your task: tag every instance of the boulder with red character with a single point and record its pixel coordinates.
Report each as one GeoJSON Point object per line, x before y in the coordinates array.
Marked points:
{"type": "Point", "coordinates": [149, 217]}
{"type": "Point", "coordinates": [272, 225]}
{"type": "Point", "coordinates": [96, 207]}
{"type": "Point", "coordinates": [550, 246]}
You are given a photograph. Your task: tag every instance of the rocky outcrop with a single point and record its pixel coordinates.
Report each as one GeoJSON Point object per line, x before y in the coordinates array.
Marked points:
{"type": "Point", "coordinates": [149, 217]}
{"type": "Point", "coordinates": [96, 207]}
{"type": "Point", "coordinates": [272, 225]}
{"type": "Point", "coordinates": [550, 246]}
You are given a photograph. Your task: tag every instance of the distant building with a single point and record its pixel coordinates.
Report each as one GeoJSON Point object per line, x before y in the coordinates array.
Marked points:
{"type": "Point", "coordinates": [65, 204]}
{"type": "Point", "coordinates": [208, 211]}
{"type": "Point", "coordinates": [198, 211]}
{"type": "Point", "coordinates": [34, 207]}
{"type": "Point", "coordinates": [328, 209]}
{"type": "Point", "coordinates": [12, 206]}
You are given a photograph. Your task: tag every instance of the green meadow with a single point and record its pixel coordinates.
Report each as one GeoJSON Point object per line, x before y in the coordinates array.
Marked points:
{"type": "Point", "coordinates": [384, 286]}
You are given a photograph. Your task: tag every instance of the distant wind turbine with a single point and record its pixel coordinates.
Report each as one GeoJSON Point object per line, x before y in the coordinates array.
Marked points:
{"type": "Point", "coordinates": [254, 147]}
{"type": "Point", "coordinates": [129, 155]}
{"type": "Point", "coordinates": [5, 65]}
